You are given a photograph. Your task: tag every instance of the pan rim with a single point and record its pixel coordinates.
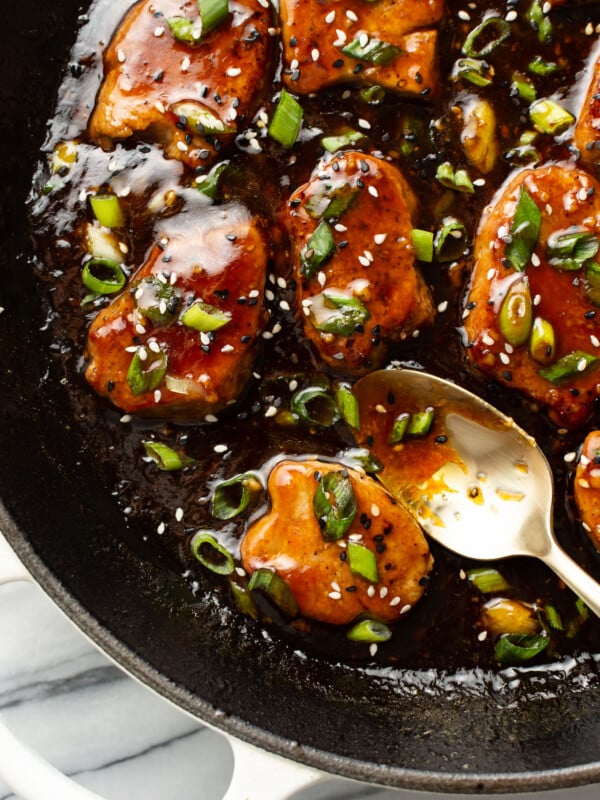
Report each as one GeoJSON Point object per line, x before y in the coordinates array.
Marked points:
{"type": "Point", "coordinates": [367, 771]}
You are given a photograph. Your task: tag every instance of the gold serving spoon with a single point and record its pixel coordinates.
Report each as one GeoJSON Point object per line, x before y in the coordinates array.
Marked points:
{"type": "Point", "coordinates": [477, 483]}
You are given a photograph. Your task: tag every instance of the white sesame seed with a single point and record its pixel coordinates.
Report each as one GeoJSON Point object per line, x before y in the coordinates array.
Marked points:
{"type": "Point", "coordinates": [395, 601]}
{"type": "Point", "coordinates": [210, 418]}
{"type": "Point", "coordinates": [371, 591]}
{"type": "Point", "coordinates": [491, 273]}
{"type": "Point", "coordinates": [335, 586]}
{"type": "Point", "coordinates": [383, 592]}
{"type": "Point", "coordinates": [182, 146]}
{"type": "Point", "coordinates": [537, 299]}
{"type": "Point", "coordinates": [121, 56]}
{"type": "Point", "coordinates": [185, 64]}
{"type": "Point", "coordinates": [142, 354]}
{"type": "Point", "coordinates": [271, 411]}
{"type": "Point", "coordinates": [227, 348]}
{"type": "Point", "coordinates": [373, 649]}
{"type": "Point", "coordinates": [294, 64]}
{"type": "Point", "coordinates": [535, 260]}
{"type": "Point", "coordinates": [504, 358]}
{"type": "Point", "coordinates": [594, 340]}
{"type": "Point", "coordinates": [220, 448]}
{"type": "Point", "coordinates": [381, 409]}
{"type": "Point", "coordinates": [340, 228]}
{"type": "Point", "coordinates": [373, 191]}
{"type": "Point", "coordinates": [267, 335]}
{"type": "Point", "coordinates": [363, 261]}
{"type": "Point", "coordinates": [479, 182]}
{"type": "Point", "coordinates": [374, 510]}
{"type": "Point", "coordinates": [314, 54]}
{"type": "Point", "coordinates": [335, 595]}
{"type": "Point", "coordinates": [159, 31]}
{"type": "Point", "coordinates": [233, 72]}
{"type": "Point", "coordinates": [159, 106]}
{"type": "Point", "coordinates": [179, 514]}
{"type": "Point", "coordinates": [443, 306]}
{"type": "Point", "coordinates": [341, 35]}
{"type": "Point", "coordinates": [464, 15]}
{"type": "Point", "coordinates": [511, 16]}
{"type": "Point", "coordinates": [481, 637]}
{"type": "Point", "coordinates": [161, 528]}
{"type": "Point", "coordinates": [330, 17]}
{"type": "Point", "coordinates": [569, 457]}
{"type": "Point", "coordinates": [157, 395]}
{"type": "Point", "coordinates": [488, 340]}
{"type": "Point", "coordinates": [380, 238]}
{"type": "Point", "coordinates": [581, 364]}
{"type": "Point", "coordinates": [126, 418]}
{"type": "Point", "coordinates": [363, 39]}
{"type": "Point", "coordinates": [405, 608]}
{"type": "Point", "coordinates": [351, 15]}
{"type": "Point", "coordinates": [240, 571]}
{"type": "Point", "coordinates": [363, 123]}
{"type": "Point", "coordinates": [589, 29]}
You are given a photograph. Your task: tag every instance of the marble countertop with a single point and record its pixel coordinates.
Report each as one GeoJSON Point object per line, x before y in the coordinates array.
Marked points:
{"type": "Point", "coordinates": [68, 702]}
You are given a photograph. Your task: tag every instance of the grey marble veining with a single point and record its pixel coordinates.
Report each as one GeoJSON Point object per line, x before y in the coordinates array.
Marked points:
{"type": "Point", "coordinates": [67, 701]}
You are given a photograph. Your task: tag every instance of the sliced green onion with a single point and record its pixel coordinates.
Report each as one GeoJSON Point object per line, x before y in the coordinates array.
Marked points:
{"type": "Point", "coordinates": [370, 631]}
{"type": "Point", "coordinates": [553, 618]}
{"type": "Point", "coordinates": [146, 374]}
{"type": "Point", "coordinates": [571, 249]}
{"type": "Point", "coordinates": [334, 504]}
{"type": "Point", "coordinates": [542, 343]}
{"type": "Point", "coordinates": [550, 117]}
{"type": "Point", "coordinates": [199, 119]}
{"type": "Point", "coordinates": [372, 94]}
{"type": "Point", "coordinates": [287, 120]}
{"type": "Point", "coordinates": [539, 22]}
{"type": "Point", "coordinates": [347, 404]}
{"type": "Point", "coordinates": [269, 582]}
{"type": "Point", "coordinates": [107, 210]}
{"type": "Point", "coordinates": [184, 29]}
{"type": "Point", "coordinates": [486, 37]}
{"type": "Point", "coordinates": [515, 318]}
{"type": "Point", "coordinates": [592, 282]}
{"type": "Point", "coordinates": [373, 50]}
{"type": "Point", "coordinates": [362, 561]}
{"type": "Point", "coordinates": [537, 66]}
{"type": "Point", "coordinates": [317, 250]}
{"type": "Point", "coordinates": [157, 301]}
{"type": "Point", "coordinates": [423, 244]}
{"type": "Point", "coordinates": [569, 366]}
{"type": "Point", "coordinates": [399, 428]}
{"type": "Point", "coordinates": [420, 422]}
{"type": "Point", "coordinates": [348, 313]}
{"type": "Point", "coordinates": [524, 231]}
{"type": "Point", "coordinates": [331, 203]}
{"type": "Point", "coordinates": [523, 87]}
{"type": "Point", "coordinates": [450, 240]}
{"type": "Point", "coordinates": [522, 155]}
{"type": "Point", "coordinates": [103, 276]}
{"type": "Point", "coordinates": [209, 184]}
{"type": "Point", "coordinates": [362, 458]}
{"type": "Point", "coordinates": [212, 13]}
{"type": "Point", "coordinates": [518, 648]}
{"type": "Point", "coordinates": [316, 406]}
{"type": "Point", "coordinates": [474, 70]}
{"type": "Point", "coordinates": [165, 457]}
{"type": "Point", "coordinates": [334, 143]}
{"type": "Point", "coordinates": [204, 317]}
{"type": "Point", "coordinates": [243, 600]}
{"type": "Point", "coordinates": [457, 179]}
{"type": "Point", "coordinates": [488, 580]}
{"type": "Point", "coordinates": [211, 553]}
{"type": "Point", "coordinates": [582, 609]}
{"type": "Point", "coordinates": [232, 497]}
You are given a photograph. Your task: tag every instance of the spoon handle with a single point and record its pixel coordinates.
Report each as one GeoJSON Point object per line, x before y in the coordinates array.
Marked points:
{"type": "Point", "coordinates": [574, 576]}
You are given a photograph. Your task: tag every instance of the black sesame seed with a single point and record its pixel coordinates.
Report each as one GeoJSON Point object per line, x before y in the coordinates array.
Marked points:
{"type": "Point", "coordinates": [245, 338]}
{"type": "Point", "coordinates": [339, 62]}
{"type": "Point", "coordinates": [441, 439]}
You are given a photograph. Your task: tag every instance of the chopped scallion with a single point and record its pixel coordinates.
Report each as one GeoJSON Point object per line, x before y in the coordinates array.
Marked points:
{"type": "Point", "coordinates": [348, 313]}
{"type": "Point", "coordinates": [315, 406]}
{"type": "Point", "coordinates": [486, 37]}
{"type": "Point", "coordinates": [184, 29]}
{"type": "Point", "coordinates": [570, 249]}
{"type": "Point", "coordinates": [450, 240]}
{"type": "Point", "coordinates": [347, 404]}
{"type": "Point", "coordinates": [243, 600]}
{"type": "Point", "coordinates": [103, 276]}
{"type": "Point", "coordinates": [287, 120]}
{"type": "Point", "coordinates": [457, 179]}
{"type": "Point", "coordinates": [362, 561]}
{"type": "Point", "coordinates": [209, 184]}
{"type": "Point", "coordinates": [569, 366]}
{"type": "Point", "coordinates": [231, 497]}
{"type": "Point", "coordinates": [146, 375]}
{"type": "Point", "coordinates": [211, 553]}
{"type": "Point", "coordinates": [423, 244]}
{"type": "Point", "coordinates": [364, 459]}
{"type": "Point", "coordinates": [334, 143]}
{"type": "Point", "coordinates": [474, 70]}
{"type": "Point", "coordinates": [518, 648]}
{"type": "Point", "coordinates": [165, 457]}
{"type": "Point", "coordinates": [205, 318]}
{"type": "Point", "coordinates": [515, 318]}
{"type": "Point", "coordinates": [212, 13]}
{"type": "Point", "coordinates": [199, 119]}
{"type": "Point", "coordinates": [488, 580]}
{"type": "Point", "coordinates": [550, 117]}
{"type": "Point", "coordinates": [107, 210]}
{"type": "Point", "coordinates": [373, 51]}
{"type": "Point", "coordinates": [157, 301]}
{"type": "Point", "coordinates": [524, 231]}
{"type": "Point", "coordinates": [370, 631]}
{"type": "Point", "coordinates": [269, 582]}
{"type": "Point", "coordinates": [318, 249]}
{"type": "Point", "coordinates": [539, 21]}
{"type": "Point", "coordinates": [334, 504]}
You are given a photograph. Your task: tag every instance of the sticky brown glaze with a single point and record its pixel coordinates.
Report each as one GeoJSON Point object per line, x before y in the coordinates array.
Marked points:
{"type": "Point", "coordinates": [314, 34]}
{"type": "Point", "coordinates": [587, 486]}
{"type": "Point", "coordinates": [288, 539]}
{"type": "Point", "coordinates": [587, 129]}
{"type": "Point", "coordinates": [373, 261]}
{"type": "Point", "coordinates": [566, 196]}
{"type": "Point", "coordinates": [152, 80]}
{"type": "Point", "coordinates": [219, 257]}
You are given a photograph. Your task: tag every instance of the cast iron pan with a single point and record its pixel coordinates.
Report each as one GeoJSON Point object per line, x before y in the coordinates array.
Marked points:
{"type": "Point", "coordinates": [408, 730]}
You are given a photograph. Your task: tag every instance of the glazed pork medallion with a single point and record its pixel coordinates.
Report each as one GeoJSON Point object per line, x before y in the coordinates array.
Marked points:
{"type": "Point", "coordinates": [587, 128]}
{"type": "Point", "coordinates": [587, 486]}
{"type": "Point", "coordinates": [531, 308]}
{"type": "Point", "coordinates": [359, 284]}
{"type": "Point", "coordinates": [341, 543]}
{"type": "Point", "coordinates": [172, 81]}
{"type": "Point", "coordinates": [180, 341]}
{"type": "Point", "coordinates": [391, 44]}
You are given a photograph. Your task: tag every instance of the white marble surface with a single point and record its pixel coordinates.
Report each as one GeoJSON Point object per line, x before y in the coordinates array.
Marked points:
{"type": "Point", "coordinates": [67, 701]}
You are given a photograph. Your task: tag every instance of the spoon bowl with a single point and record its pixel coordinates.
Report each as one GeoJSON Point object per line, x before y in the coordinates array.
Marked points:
{"type": "Point", "coordinates": [483, 489]}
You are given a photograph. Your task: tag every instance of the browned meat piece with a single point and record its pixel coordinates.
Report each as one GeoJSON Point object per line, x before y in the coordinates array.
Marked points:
{"type": "Point", "coordinates": [537, 330]}
{"type": "Point", "coordinates": [290, 541]}
{"type": "Point", "coordinates": [213, 263]}
{"type": "Point", "coordinates": [393, 44]}
{"type": "Point", "coordinates": [587, 128]}
{"type": "Point", "coordinates": [368, 290]}
{"type": "Point", "coordinates": [587, 486]}
{"type": "Point", "coordinates": [191, 97]}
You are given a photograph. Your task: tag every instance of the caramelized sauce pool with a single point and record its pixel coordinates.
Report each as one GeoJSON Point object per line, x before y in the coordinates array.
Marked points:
{"type": "Point", "coordinates": [163, 510]}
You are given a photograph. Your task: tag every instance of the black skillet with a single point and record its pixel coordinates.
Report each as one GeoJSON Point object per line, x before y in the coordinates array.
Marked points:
{"type": "Point", "coordinates": [410, 730]}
